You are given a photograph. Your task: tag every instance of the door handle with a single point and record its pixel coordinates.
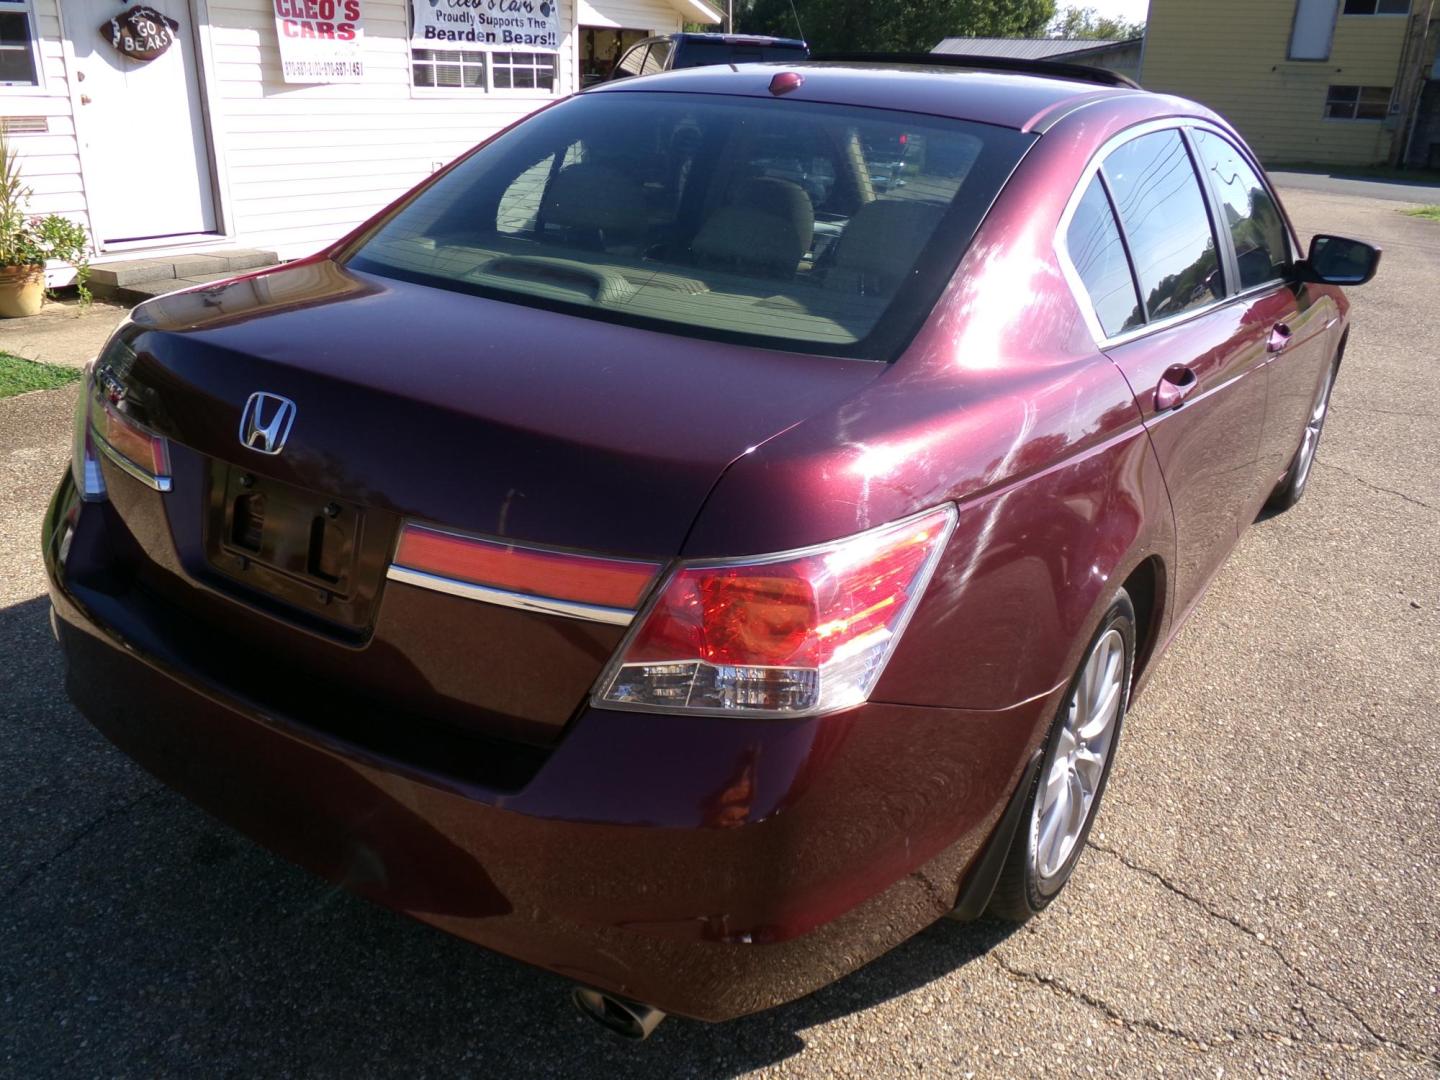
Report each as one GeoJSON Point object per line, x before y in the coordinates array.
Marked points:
{"type": "Point", "coordinates": [1174, 387]}
{"type": "Point", "coordinates": [1279, 338]}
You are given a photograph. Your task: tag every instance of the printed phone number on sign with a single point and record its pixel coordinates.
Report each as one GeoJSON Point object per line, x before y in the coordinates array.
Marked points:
{"type": "Point", "coordinates": [332, 68]}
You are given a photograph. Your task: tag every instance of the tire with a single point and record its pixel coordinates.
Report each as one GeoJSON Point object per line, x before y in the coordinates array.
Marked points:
{"type": "Point", "coordinates": [1292, 485]}
{"type": "Point", "coordinates": [1038, 864]}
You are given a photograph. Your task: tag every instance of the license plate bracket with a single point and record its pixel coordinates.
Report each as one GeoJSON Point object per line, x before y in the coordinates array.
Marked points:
{"type": "Point", "coordinates": [289, 543]}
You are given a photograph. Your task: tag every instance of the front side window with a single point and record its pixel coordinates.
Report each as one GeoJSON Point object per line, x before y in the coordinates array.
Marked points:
{"type": "Point", "coordinates": [1357, 102]}
{"type": "Point", "coordinates": [710, 216]}
{"type": "Point", "coordinates": [1167, 225]}
{"type": "Point", "coordinates": [1249, 211]}
{"type": "Point", "coordinates": [17, 44]}
{"type": "Point", "coordinates": [1377, 7]}
{"type": "Point", "coordinates": [1098, 255]}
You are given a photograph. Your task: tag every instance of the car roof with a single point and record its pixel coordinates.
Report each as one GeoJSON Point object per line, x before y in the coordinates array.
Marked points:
{"type": "Point", "coordinates": [1007, 99]}
{"type": "Point", "coordinates": [739, 39]}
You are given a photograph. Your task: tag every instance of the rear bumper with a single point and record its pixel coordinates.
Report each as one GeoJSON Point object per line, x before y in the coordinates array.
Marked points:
{"type": "Point", "coordinates": [710, 867]}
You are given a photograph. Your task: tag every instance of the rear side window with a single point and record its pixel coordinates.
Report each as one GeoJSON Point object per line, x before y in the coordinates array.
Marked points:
{"type": "Point", "coordinates": [1166, 223]}
{"type": "Point", "coordinates": [1254, 220]}
{"type": "Point", "coordinates": [633, 61]}
{"type": "Point", "coordinates": [710, 216]}
{"type": "Point", "coordinates": [1098, 255]}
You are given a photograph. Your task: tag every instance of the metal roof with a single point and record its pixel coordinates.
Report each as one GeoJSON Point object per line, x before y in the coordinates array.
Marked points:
{"type": "Point", "coordinates": [1022, 48]}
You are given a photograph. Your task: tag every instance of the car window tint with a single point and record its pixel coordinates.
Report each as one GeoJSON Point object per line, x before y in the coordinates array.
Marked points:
{"type": "Point", "coordinates": [715, 216]}
{"type": "Point", "coordinates": [1166, 223]}
{"type": "Point", "coordinates": [1254, 220]}
{"type": "Point", "coordinates": [1098, 255]}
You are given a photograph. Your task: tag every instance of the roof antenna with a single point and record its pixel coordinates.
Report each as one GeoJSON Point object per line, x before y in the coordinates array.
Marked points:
{"type": "Point", "coordinates": [797, 20]}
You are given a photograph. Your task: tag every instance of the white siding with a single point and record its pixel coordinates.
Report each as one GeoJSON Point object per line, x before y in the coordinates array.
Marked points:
{"type": "Point", "coordinates": [50, 161]}
{"type": "Point", "coordinates": [653, 15]}
{"type": "Point", "coordinates": [301, 165]}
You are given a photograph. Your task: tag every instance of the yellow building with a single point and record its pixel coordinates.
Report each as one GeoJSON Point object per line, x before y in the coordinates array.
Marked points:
{"type": "Point", "coordinates": [1326, 81]}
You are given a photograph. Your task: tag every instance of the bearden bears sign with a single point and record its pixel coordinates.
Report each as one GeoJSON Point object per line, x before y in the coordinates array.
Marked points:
{"type": "Point", "coordinates": [321, 41]}
{"type": "Point", "coordinates": [531, 25]}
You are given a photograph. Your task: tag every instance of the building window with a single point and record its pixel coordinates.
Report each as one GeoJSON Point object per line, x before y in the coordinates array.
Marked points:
{"type": "Point", "coordinates": [448, 69]}
{"type": "Point", "coordinates": [523, 71]}
{"type": "Point", "coordinates": [17, 44]}
{"type": "Point", "coordinates": [1357, 102]}
{"type": "Point", "coordinates": [1377, 7]}
{"type": "Point", "coordinates": [466, 69]}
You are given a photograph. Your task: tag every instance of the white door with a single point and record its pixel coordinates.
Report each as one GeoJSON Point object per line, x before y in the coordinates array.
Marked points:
{"type": "Point", "coordinates": [145, 155]}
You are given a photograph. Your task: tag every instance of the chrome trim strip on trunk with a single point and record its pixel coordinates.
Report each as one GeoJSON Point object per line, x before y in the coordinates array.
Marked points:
{"type": "Point", "coordinates": [570, 609]}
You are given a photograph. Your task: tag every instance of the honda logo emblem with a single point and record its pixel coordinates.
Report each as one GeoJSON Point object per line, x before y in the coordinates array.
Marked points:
{"type": "Point", "coordinates": [265, 423]}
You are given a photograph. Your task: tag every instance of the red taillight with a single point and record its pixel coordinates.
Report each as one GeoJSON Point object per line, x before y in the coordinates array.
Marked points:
{"type": "Point", "coordinates": [617, 584]}
{"type": "Point", "coordinates": [131, 441]}
{"type": "Point", "coordinates": [800, 633]}
{"type": "Point", "coordinates": [127, 443]}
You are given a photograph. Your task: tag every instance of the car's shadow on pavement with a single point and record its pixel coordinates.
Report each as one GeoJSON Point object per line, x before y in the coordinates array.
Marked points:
{"type": "Point", "coordinates": [138, 935]}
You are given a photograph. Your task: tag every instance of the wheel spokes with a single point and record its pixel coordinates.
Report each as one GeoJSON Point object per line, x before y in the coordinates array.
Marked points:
{"type": "Point", "coordinates": [1079, 753]}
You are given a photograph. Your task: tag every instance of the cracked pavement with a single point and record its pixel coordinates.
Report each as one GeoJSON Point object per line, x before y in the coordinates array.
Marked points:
{"type": "Point", "coordinates": [1259, 896]}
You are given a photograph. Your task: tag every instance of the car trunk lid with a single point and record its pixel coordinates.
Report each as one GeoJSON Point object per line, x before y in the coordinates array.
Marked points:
{"type": "Point", "coordinates": [417, 404]}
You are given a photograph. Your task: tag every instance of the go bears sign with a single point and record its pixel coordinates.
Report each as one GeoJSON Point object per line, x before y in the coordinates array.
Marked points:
{"type": "Point", "coordinates": [486, 24]}
{"type": "Point", "coordinates": [140, 33]}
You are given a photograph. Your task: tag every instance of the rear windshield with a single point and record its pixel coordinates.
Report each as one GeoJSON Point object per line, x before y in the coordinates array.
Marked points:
{"type": "Point", "coordinates": [820, 228]}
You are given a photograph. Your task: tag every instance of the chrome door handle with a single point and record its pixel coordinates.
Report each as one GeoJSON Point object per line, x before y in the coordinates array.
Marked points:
{"type": "Point", "coordinates": [1279, 338]}
{"type": "Point", "coordinates": [1174, 387]}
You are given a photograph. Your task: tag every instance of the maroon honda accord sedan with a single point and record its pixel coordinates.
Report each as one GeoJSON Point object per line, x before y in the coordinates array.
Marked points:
{"type": "Point", "coordinates": [714, 528]}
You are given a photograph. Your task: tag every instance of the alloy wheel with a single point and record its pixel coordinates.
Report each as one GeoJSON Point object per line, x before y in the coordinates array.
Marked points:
{"type": "Point", "coordinates": [1075, 767]}
{"type": "Point", "coordinates": [1310, 441]}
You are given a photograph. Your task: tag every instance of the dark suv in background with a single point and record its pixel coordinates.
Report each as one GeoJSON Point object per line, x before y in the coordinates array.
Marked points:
{"type": "Point", "coordinates": [696, 50]}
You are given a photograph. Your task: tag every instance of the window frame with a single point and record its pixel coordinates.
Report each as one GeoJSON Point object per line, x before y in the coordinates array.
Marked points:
{"type": "Point", "coordinates": [1335, 7]}
{"type": "Point", "coordinates": [1377, 13]}
{"type": "Point", "coordinates": [521, 91]}
{"type": "Point", "coordinates": [1359, 89]}
{"type": "Point", "coordinates": [1217, 215]}
{"type": "Point", "coordinates": [36, 58]}
{"type": "Point", "coordinates": [1224, 243]}
{"type": "Point", "coordinates": [488, 87]}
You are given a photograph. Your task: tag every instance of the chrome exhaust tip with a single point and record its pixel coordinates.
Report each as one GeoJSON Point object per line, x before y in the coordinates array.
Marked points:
{"type": "Point", "coordinates": [628, 1019]}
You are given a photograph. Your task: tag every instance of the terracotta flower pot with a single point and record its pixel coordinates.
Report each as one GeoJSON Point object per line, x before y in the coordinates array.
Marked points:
{"type": "Point", "coordinates": [22, 290]}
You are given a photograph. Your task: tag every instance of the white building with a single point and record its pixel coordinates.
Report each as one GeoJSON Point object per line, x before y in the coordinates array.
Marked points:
{"type": "Point", "coordinates": [208, 144]}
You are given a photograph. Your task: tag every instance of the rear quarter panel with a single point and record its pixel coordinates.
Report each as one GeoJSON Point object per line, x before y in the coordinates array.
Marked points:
{"type": "Point", "coordinates": [1003, 404]}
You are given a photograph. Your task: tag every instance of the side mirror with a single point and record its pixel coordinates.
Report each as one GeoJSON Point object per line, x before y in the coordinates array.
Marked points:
{"type": "Point", "coordinates": [1334, 260]}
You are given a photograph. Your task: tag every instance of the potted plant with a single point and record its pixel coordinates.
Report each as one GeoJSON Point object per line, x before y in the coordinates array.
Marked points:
{"type": "Point", "coordinates": [27, 242]}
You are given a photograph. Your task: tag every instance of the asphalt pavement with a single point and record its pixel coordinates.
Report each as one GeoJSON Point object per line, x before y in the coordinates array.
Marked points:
{"type": "Point", "coordinates": [1394, 189]}
{"type": "Point", "coordinates": [1260, 896]}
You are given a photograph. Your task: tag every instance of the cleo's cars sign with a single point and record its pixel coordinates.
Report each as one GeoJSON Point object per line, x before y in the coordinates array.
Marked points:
{"type": "Point", "coordinates": [487, 24]}
{"type": "Point", "coordinates": [321, 41]}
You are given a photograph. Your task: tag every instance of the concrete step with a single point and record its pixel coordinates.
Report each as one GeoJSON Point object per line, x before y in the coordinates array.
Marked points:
{"type": "Point", "coordinates": [134, 280]}
{"type": "Point", "coordinates": [144, 290]}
